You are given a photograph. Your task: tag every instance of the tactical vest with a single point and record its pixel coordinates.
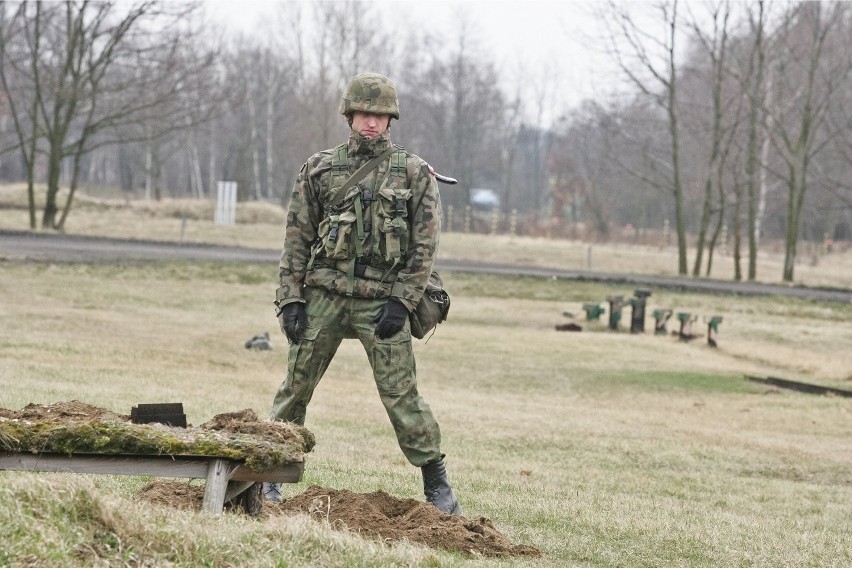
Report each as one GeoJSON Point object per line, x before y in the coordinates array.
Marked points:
{"type": "Point", "coordinates": [379, 211]}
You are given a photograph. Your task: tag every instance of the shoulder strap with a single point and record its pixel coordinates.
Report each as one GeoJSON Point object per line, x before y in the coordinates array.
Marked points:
{"type": "Point", "coordinates": [398, 165]}
{"type": "Point", "coordinates": [339, 166]}
{"type": "Point", "coordinates": [359, 175]}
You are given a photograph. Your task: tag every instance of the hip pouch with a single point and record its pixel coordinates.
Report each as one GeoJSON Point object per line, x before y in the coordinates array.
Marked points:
{"type": "Point", "coordinates": [432, 308]}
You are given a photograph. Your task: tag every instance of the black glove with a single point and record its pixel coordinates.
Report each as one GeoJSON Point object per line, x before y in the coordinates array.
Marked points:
{"type": "Point", "coordinates": [391, 319]}
{"type": "Point", "coordinates": [293, 320]}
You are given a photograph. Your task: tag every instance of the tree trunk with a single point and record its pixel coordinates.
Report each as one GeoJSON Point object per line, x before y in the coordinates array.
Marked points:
{"type": "Point", "coordinates": [149, 166]}
{"type": "Point", "coordinates": [756, 103]}
{"type": "Point", "coordinates": [720, 219]}
{"type": "Point", "coordinates": [196, 185]}
{"type": "Point", "coordinates": [211, 174]}
{"type": "Point", "coordinates": [255, 152]}
{"type": "Point", "coordinates": [75, 176]}
{"type": "Point", "coordinates": [31, 197]}
{"type": "Point", "coordinates": [680, 228]}
{"type": "Point", "coordinates": [29, 159]}
{"type": "Point", "coordinates": [270, 125]}
{"type": "Point", "coordinates": [703, 226]}
{"type": "Point", "coordinates": [791, 235]}
{"type": "Point", "coordinates": [54, 170]}
{"type": "Point", "coordinates": [738, 232]}
{"type": "Point", "coordinates": [676, 188]}
{"type": "Point", "coordinates": [764, 159]}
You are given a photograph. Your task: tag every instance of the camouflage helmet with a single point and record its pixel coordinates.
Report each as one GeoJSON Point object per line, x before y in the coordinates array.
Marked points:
{"type": "Point", "coordinates": [370, 92]}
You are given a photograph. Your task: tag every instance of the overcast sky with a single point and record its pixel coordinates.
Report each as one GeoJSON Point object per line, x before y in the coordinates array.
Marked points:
{"type": "Point", "coordinates": [526, 38]}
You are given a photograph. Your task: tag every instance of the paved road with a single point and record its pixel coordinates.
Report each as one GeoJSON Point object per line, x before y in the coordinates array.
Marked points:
{"type": "Point", "coordinates": [51, 247]}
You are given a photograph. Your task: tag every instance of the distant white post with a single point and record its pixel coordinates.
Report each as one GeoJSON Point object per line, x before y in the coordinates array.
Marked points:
{"type": "Point", "coordinates": [226, 203]}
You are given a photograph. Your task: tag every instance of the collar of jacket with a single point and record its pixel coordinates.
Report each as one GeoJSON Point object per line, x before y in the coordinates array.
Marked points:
{"type": "Point", "coordinates": [363, 147]}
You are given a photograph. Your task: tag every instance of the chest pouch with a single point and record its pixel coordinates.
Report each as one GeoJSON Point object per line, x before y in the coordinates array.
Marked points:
{"type": "Point", "coordinates": [392, 209]}
{"type": "Point", "coordinates": [393, 222]}
{"type": "Point", "coordinates": [338, 236]}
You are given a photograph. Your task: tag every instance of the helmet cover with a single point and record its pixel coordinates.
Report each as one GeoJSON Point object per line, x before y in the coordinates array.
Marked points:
{"type": "Point", "coordinates": [370, 92]}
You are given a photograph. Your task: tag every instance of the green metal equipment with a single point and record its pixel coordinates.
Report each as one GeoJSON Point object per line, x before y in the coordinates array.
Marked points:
{"type": "Point", "coordinates": [616, 303]}
{"type": "Point", "coordinates": [713, 330]}
{"type": "Point", "coordinates": [686, 320]}
{"type": "Point", "coordinates": [637, 317]}
{"type": "Point", "coordinates": [661, 320]}
{"type": "Point", "coordinates": [593, 311]}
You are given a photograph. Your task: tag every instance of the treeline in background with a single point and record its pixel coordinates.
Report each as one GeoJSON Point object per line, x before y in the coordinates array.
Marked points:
{"type": "Point", "coordinates": [732, 128]}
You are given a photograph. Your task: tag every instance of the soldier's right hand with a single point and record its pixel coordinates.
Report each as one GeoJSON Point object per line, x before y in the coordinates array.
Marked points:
{"type": "Point", "coordinates": [293, 320]}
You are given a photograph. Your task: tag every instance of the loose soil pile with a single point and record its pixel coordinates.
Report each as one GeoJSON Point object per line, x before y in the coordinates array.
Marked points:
{"type": "Point", "coordinates": [376, 515]}
{"type": "Point", "coordinates": [73, 410]}
{"type": "Point", "coordinates": [384, 517]}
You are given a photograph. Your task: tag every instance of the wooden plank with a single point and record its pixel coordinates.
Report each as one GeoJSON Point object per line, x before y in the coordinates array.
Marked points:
{"type": "Point", "coordinates": [235, 488]}
{"type": "Point", "coordinates": [287, 473]}
{"type": "Point", "coordinates": [218, 473]}
{"type": "Point", "coordinates": [156, 466]}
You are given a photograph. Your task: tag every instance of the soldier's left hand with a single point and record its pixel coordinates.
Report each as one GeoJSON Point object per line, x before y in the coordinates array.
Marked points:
{"type": "Point", "coordinates": [391, 319]}
{"type": "Point", "coordinates": [293, 319]}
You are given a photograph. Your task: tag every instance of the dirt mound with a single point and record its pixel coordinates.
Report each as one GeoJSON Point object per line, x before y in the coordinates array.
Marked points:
{"type": "Point", "coordinates": [61, 412]}
{"type": "Point", "coordinates": [178, 494]}
{"type": "Point", "coordinates": [247, 422]}
{"type": "Point", "coordinates": [373, 515]}
{"type": "Point", "coordinates": [385, 517]}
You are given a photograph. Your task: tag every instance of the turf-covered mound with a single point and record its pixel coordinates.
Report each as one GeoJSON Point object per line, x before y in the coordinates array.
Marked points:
{"type": "Point", "coordinates": [375, 515]}
{"type": "Point", "coordinates": [75, 427]}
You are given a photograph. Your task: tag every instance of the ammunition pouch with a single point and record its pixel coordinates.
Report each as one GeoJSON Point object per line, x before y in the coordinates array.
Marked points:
{"type": "Point", "coordinates": [393, 216]}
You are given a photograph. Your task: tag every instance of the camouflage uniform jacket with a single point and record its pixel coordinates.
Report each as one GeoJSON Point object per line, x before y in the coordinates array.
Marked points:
{"type": "Point", "coordinates": [310, 258]}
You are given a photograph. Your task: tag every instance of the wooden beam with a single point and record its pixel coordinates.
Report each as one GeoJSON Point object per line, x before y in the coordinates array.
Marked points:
{"type": "Point", "coordinates": [287, 473]}
{"type": "Point", "coordinates": [237, 487]}
{"type": "Point", "coordinates": [157, 466]}
{"type": "Point", "coordinates": [217, 471]}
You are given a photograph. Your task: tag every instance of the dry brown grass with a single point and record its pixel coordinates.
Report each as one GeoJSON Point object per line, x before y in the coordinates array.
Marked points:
{"type": "Point", "coordinates": [599, 448]}
{"type": "Point", "coordinates": [260, 225]}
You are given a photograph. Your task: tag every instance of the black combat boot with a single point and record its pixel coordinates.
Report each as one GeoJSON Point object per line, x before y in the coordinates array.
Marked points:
{"type": "Point", "coordinates": [437, 488]}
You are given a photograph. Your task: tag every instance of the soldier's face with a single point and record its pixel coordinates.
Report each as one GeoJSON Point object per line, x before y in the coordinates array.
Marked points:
{"type": "Point", "coordinates": [369, 125]}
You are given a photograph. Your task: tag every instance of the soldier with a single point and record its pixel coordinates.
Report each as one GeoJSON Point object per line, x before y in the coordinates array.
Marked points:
{"type": "Point", "coordinates": [357, 256]}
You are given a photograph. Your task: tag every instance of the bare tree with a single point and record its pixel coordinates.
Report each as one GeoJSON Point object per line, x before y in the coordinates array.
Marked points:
{"type": "Point", "coordinates": [13, 61]}
{"type": "Point", "coordinates": [98, 72]}
{"type": "Point", "coordinates": [650, 64]}
{"type": "Point", "coordinates": [715, 49]}
{"type": "Point", "coordinates": [814, 71]}
{"type": "Point", "coordinates": [756, 89]}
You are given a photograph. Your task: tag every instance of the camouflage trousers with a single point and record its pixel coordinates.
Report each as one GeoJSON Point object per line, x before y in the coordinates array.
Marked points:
{"type": "Point", "coordinates": [331, 318]}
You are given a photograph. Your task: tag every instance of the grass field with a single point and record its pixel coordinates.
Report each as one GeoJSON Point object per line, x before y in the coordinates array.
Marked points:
{"type": "Point", "coordinates": [599, 448]}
